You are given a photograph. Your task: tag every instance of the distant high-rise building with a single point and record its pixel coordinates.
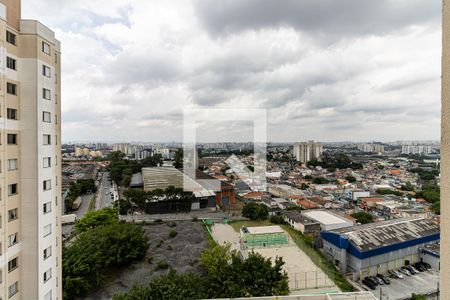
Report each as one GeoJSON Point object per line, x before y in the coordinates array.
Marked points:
{"type": "Point", "coordinates": [417, 149]}
{"type": "Point", "coordinates": [371, 148]}
{"type": "Point", "coordinates": [78, 151]}
{"type": "Point", "coordinates": [30, 183]}
{"type": "Point", "coordinates": [307, 151]}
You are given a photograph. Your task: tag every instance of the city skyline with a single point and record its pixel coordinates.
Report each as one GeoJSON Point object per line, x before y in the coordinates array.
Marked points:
{"type": "Point", "coordinates": [328, 79]}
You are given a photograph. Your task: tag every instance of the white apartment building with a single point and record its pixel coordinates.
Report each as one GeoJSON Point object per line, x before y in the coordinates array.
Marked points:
{"type": "Point", "coordinates": [30, 168]}
{"type": "Point", "coordinates": [306, 151]}
{"type": "Point", "coordinates": [371, 148]}
{"type": "Point", "coordinates": [417, 149]}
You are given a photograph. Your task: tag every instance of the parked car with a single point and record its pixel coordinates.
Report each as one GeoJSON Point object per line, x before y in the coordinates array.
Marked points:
{"type": "Point", "coordinates": [395, 274]}
{"type": "Point", "coordinates": [384, 278]}
{"type": "Point", "coordinates": [370, 283]}
{"type": "Point", "coordinates": [378, 280]}
{"type": "Point", "coordinates": [427, 265]}
{"type": "Point", "coordinates": [419, 266]}
{"type": "Point", "coordinates": [412, 269]}
{"type": "Point", "coordinates": [405, 271]}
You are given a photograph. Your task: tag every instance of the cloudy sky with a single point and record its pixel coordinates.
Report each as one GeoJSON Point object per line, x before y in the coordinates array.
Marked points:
{"type": "Point", "coordinates": [324, 69]}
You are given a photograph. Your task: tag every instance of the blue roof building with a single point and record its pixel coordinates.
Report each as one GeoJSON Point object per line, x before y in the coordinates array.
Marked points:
{"type": "Point", "coordinates": [378, 247]}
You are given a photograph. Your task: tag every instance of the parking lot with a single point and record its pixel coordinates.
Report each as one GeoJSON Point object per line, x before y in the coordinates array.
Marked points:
{"type": "Point", "coordinates": [399, 289]}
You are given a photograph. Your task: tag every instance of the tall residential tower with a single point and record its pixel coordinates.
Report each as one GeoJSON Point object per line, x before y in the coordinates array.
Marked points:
{"type": "Point", "coordinates": [306, 151]}
{"type": "Point", "coordinates": [30, 167]}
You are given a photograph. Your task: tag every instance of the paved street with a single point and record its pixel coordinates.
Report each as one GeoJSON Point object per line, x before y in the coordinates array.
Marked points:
{"type": "Point", "coordinates": [85, 199]}
{"type": "Point", "coordinates": [104, 194]}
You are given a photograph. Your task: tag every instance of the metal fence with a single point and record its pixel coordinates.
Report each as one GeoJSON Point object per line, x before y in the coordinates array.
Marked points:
{"type": "Point", "coordinates": [309, 280]}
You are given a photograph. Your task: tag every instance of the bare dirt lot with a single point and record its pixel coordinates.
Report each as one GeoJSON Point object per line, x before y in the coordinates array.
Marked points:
{"type": "Point", "coordinates": [181, 252]}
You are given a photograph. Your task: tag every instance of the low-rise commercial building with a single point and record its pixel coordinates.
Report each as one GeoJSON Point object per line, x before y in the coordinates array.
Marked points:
{"type": "Point", "coordinates": [301, 223]}
{"type": "Point", "coordinates": [328, 220]}
{"type": "Point", "coordinates": [378, 247]}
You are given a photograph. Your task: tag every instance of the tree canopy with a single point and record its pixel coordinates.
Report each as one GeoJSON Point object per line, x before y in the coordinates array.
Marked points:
{"type": "Point", "coordinates": [363, 217]}
{"type": "Point", "coordinates": [93, 219]}
{"type": "Point", "coordinates": [255, 211]}
{"type": "Point", "coordinates": [227, 275]}
{"type": "Point", "coordinates": [85, 259]}
{"type": "Point", "coordinates": [336, 161]}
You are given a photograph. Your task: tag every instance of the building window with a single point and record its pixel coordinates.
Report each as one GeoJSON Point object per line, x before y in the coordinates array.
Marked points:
{"type": "Point", "coordinates": [11, 63]}
{"type": "Point", "coordinates": [13, 289]}
{"type": "Point", "coordinates": [12, 164]}
{"type": "Point", "coordinates": [13, 264]}
{"type": "Point", "coordinates": [11, 113]}
{"type": "Point", "coordinates": [47, 252]}
{"type": "Point", "coordinates": [47, 184]}
{"type": "Point", "coordinates": [56, 119]}
{"type": "Point", "coordinates": [47, 275]}
{"type": "Point", "coordinates": [13, 239]}
{"type": "Point", "coordinates": [11, 88]}
{"type": "Point", "coordinates": [47, 230]}
{"type": "Point", "coordinates": [47, 162]}
{"type": "Point", "coordinates": [47, 139]}
{"type": "Point", "coordinates": [46, 117]}
{"type": "Point", "coordinates": [13, 214]}
{"type": "Point", "coordinates": [46, 94]}
{"type": "Point", "coordinates": [12, 189]}
{"type": "Point", "coordinates": [46, 71]}
{"type": "Point", "coordinates": [47, 207]}
{"type": "Point", "coordinates": [46, 48]}
{"type": "Point", "coordinates": [12, 139]}
{"type": "Point", "coordinates": [10, 37]}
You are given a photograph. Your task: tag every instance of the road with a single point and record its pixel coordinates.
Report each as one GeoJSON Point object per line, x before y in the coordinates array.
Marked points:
{"type": "Point", "coordinates": [80, 212]}
{"type": "Point", "coordinates": [104, 194]}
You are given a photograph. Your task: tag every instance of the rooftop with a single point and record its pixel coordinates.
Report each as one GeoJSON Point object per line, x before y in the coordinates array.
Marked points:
{"type": "Point", "coordinates": [263, 229]}
{"type": "Point", "coordinates": [375, 235]}
{"type": "Point", "coordinates": [299, 218]}
{"type": "Point", "coordinates": [325, 217]}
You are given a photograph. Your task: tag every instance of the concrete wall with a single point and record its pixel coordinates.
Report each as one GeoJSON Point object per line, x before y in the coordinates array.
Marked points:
{"type": "Point", "coordinates": [445, 155]}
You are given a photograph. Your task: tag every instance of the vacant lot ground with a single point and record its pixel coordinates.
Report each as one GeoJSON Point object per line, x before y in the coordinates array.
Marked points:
{"type": "Point", "coordinates": [180, 252]}
{"type": "Point", "coordinates": [303, 273]}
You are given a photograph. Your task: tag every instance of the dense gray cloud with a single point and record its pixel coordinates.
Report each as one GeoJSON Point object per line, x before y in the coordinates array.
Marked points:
{"type": "Point", "coordinates": [324, 69]}
{"type": "Point", "coordinates": [324, 17]}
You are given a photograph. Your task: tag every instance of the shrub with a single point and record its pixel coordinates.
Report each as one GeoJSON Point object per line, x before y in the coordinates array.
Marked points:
{"type": "Point", "coordinates": [161, 265]}
{"type": "Point", "coordinates": [173, 234]}
{"type": "Point", "coordinates": [96, 249]}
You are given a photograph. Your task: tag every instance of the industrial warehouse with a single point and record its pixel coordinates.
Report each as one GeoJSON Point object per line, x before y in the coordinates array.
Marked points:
{"type": "Point", "coordinates": [378, 247]}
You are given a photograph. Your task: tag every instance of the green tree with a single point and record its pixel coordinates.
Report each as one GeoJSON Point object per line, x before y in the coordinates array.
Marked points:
{"type": "Point", "coordinates": [172, 286]}
{"type": "Point", "coordinates": [407, 187]}
{"type": "Point", "coordinates": [178, 158]}
{"type": "Point", "coordinates": [363, 217]}
{"type": "Point", "coordinates": [85, 259]}
{"type": "Point", "coordinates": [304, 186]}
{"type": "Point", "coordinates": [320, 180]}
{"type": "Point", "coordinates": [350, 178]}
{"type": "Point", "coordinates": [254, 276]}
{"type": "Point", "coordinates": [93, 219]}
{"type": "Point", "coordinates": [137, 197]}
{"type": "Point", "coordinates": [255, 211]}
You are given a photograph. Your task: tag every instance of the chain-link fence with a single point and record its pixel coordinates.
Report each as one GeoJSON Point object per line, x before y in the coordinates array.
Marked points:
{"type": "Point", "coordinates": [309, 280]}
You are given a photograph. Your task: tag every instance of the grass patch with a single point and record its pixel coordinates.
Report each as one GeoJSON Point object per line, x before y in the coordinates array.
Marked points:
{"type": "Point", "coordinates": [208, 230]}
{"type": "Point", "coordinates": [91, 205]}
{"type": "Point", "coordinates": [305, 244]}
{"type": "Point", "coordinates": [238, 224]}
